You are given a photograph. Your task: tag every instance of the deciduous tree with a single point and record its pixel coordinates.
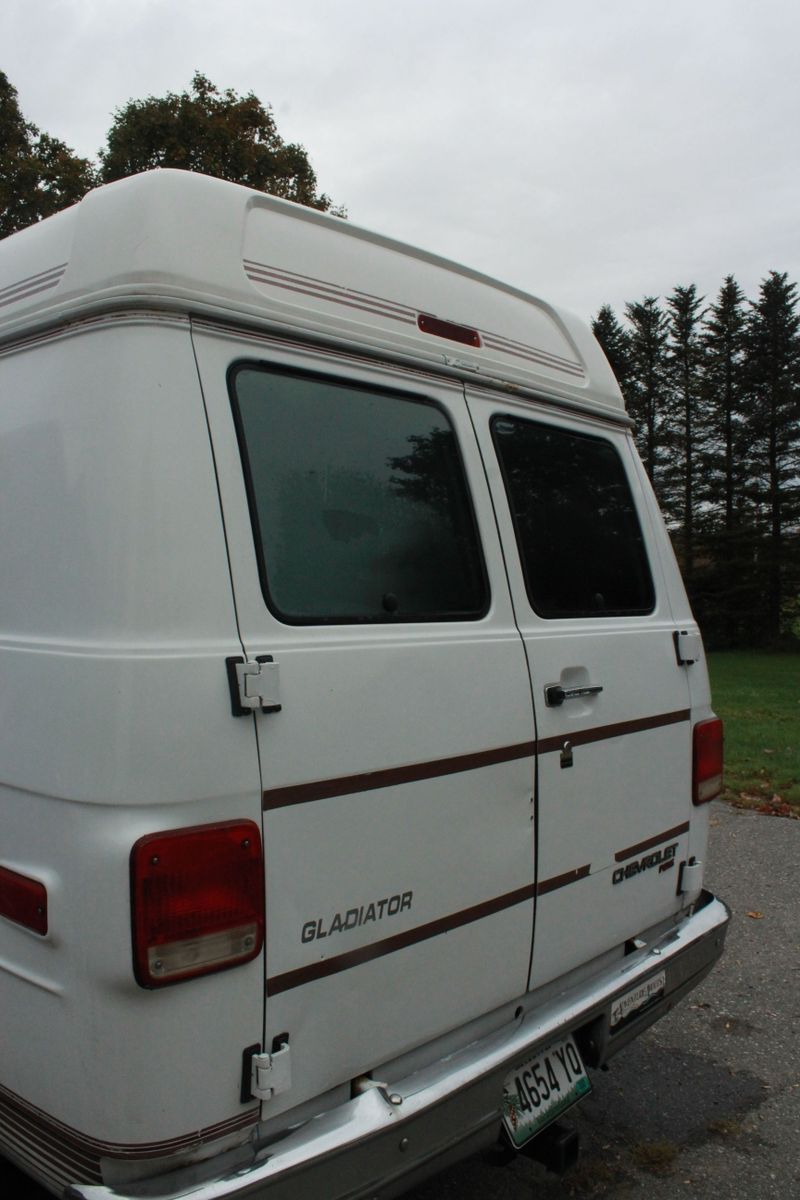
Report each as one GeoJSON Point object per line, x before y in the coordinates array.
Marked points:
{"type": "Point", "coordinates": [39, 175]}
{"type": "Point", "coordinates": [215, 132]}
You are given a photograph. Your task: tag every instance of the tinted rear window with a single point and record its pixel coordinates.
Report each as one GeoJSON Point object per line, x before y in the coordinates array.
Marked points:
{"type": "Point", "coordinates": [359, 502]}
{"type": "Point", "coordinates": [578, 534]}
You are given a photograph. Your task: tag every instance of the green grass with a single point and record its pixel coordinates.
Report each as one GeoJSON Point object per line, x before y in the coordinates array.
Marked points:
{"type": "Point", "coordinates": [758, 698]}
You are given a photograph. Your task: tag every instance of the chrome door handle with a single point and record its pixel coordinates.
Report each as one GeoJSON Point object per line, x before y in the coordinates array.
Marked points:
{"type": "Point", "coordinates": [555, 694]}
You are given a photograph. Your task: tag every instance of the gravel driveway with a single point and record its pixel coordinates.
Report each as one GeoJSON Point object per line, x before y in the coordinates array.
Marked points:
{"type": "Point", "coordinates": [707, 1103]}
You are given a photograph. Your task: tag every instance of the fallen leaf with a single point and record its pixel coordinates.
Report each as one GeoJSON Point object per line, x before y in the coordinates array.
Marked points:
{"type": "Point", "coordinates": [757, 916]}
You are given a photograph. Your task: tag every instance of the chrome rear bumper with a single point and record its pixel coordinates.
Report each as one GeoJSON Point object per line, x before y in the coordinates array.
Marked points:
{"type": "Point", "coordinates": [372, 1146]}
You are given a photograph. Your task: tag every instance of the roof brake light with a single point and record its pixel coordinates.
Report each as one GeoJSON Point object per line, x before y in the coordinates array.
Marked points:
{"type": "Point", "coordinates": [449, 330]}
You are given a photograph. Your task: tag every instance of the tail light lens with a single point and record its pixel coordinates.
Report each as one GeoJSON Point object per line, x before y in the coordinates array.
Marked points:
{"type": "Point", "coordinates": [707, 760]}
{"type": "Point", "coordinates": [197, 897]}
{"type": "Point", "coordinates": [23, 900]}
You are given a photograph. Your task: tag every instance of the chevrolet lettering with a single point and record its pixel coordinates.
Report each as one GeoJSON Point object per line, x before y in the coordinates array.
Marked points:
{"type": "Point", "coordinates": [664, 859]}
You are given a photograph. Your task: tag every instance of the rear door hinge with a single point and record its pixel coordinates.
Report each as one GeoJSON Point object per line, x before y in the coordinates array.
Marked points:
{"type": "Point", "coordinates": [690, 877]}
{"type": "Point", "coordinates": [254, 686]}
{"type": "Point", "coordinates": [688, 647]}
{"type": "Point", "coordinates": [269, 1074]}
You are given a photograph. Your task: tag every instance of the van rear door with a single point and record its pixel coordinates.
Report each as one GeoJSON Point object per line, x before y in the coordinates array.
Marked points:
{"type": "Point", "coordinates": [396, 737]}
{"type": "Point", "coordinates": [611, 700]}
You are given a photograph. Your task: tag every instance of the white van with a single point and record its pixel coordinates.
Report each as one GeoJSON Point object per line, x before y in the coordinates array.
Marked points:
{"type": "Point", "coordinates": [355, 732]}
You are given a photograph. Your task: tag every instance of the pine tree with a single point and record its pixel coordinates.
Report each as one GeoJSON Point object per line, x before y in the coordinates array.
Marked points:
{"type": "Point", "coordinates": [684, 363]}
{"type": "Point", "coordinates": [615, 341]}
{"type": "Point", "coordinates": [723, 393]}
{"type": "Point", "coordinates": [647, 381]}
{"type": "Point", "coordinates": [727, 596]}
{"type": "Point", "coordinates": [772, 373]}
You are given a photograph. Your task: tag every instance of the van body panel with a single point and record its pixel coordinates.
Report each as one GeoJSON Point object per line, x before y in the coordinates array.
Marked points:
{"type": "Point", "coordinates": [103, 432]}
{"type": "Point", "coordinates": [697, 678]}
{"type": "Point", "coordinates": [621, 789]}
{"type": "Point", "coordinates": [116, 616]}
{"type": "Point", "coordinates": [271, 552]}
{"type": "Point", "coordinates": [400, 701]}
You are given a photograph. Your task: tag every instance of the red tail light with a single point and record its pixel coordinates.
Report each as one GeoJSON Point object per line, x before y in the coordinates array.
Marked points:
{"type": "Point", "coordinates": [707, 760]}
{"type": "Point", "coordinates": [23, 900]}
{"type": "Point", "coordinates": [197, 897]}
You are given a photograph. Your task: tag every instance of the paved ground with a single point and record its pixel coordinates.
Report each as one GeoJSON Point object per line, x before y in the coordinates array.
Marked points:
{"type": "Point", "coordinates": [707, 1103]}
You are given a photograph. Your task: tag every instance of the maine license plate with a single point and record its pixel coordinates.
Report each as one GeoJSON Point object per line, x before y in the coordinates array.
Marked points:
{"type": "Point", "coordinates": [541, 1089]}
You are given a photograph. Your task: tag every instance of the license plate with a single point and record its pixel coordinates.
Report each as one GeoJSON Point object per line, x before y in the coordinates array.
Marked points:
{"type": "Point", "coordinates": [638, 998]}
{"type": "Point", "coordinates": [541, 1089]}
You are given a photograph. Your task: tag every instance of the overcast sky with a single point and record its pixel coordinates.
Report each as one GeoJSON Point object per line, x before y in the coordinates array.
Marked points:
{"type": "Point", "coordinates": [588, 151]}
